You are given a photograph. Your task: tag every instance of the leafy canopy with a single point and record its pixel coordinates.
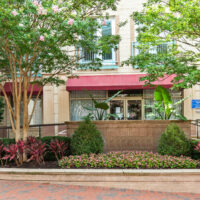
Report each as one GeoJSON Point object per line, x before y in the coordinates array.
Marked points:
{"type": "Point", "coordinates": [175, 22]}
{"type": "Point", "coordinates": [40, 36]}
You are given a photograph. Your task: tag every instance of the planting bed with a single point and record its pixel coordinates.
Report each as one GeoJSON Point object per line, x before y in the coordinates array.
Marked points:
{"type": "Point", "coordinates": [132, 160]}
{"type": "Point", "coordinates": [32, 165]}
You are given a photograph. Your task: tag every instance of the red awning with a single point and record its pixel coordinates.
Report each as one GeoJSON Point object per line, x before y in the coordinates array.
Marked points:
{"type": "Point", "coordinates": [8, 89]}
{"type": "Point", "coordinates": [114, 82]}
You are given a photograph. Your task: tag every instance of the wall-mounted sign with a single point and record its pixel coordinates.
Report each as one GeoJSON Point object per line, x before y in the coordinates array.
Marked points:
{"type": "Point", "coordinates": [196, 103]}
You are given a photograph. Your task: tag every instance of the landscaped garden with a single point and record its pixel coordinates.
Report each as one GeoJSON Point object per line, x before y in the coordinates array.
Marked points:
{"type": "Point", "coordinates": [85, 150]}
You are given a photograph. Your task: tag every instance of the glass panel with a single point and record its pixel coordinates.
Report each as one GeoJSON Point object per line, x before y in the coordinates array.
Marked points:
{"type": "Point", "coordinates": [162, 48]}
{"type": "Point", "coordinates": [126, 93]}
{"type": "Point", "coordinates": [174, 93]}
{"type": "Point", "coordinates": [88, 55]}
{"type": "Point", "coordinates": [150, 114]}
{"type": "Point", "coordinates": [106, 31]}
{"type": "Point", "coordinates": [37, 114]}
{"type": "Point", "coordinates": [85, 94]}
{"type": "Point", "coordinates": [77, 110]}
{"type": "Point", "coordinates": [134, 110]}
{"type": "Point", "coordinates": [117, 108]}
{"type": "Point", "coordinates": [148, 110]}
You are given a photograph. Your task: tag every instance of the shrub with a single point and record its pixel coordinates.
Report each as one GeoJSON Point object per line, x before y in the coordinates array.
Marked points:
{"type": "Point", "coordinates": [86, 139]}
{"type": "Point", "coordinates": [193, 152]}
{"type": "Point", "coordinates": [1, 153]}
{"type": "Point", "coordinates": [134, 160]}
{"type": "Point", "coordinates": [7, 141]}
{"type": "Point", "coordinates": [15, 152]}
{"type": "Point", "coordinates": [50, 156]}
{"type": "Point", "coordinates": [197, 148]}
{"type": "Point", "coordinates": [58, 148]}
{"type": "Point", "coordinates": [36, 151]}
{"type": "Point", "coordinates": [173, 142]}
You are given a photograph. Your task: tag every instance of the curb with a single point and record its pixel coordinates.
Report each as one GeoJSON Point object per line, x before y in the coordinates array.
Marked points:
{"type": "Point", "coordinates": [102, 171]}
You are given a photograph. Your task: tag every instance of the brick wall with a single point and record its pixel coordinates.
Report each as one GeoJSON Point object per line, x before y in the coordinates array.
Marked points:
{"type": "Point", "coordinates": [132, 135]}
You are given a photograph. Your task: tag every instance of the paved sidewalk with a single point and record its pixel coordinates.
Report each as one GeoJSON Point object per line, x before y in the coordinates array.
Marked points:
{"type": "Point", "coordinates": [18, 190]}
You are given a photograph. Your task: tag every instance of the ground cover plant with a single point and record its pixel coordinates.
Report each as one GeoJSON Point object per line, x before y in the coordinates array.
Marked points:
{"type": "Point", "coordinates": [134, 160]}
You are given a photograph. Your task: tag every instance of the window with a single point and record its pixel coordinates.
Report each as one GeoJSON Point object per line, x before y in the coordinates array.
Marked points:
{"type": "Point", "coordinates": [81, 99]}
{"type": "Point", "coordinates": [149, 102]}
{"type": "Point", "coordinates": [37, 114]}
{"type": "Point", "coordinates": [110, 58]}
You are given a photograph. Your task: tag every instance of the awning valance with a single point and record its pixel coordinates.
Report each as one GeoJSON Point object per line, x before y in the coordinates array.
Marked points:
{"type": "Point", "coordinates": [8, 89]}
{"type": "Point", "coordinates": [114, 82]}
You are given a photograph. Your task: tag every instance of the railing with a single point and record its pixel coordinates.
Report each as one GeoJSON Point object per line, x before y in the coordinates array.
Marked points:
{"type": "Point", "coordinates": [37, 130]}
{"type": "Point", "coordinates": [196, 128]}
{"type": "Point", "coordinates": [110, 61]}
{"type": "Point", "coordinates": [161, 48]}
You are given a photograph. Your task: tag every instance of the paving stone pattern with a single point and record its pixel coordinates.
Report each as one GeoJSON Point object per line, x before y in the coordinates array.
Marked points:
{"type": "Point", "coordinates": [18, 190]}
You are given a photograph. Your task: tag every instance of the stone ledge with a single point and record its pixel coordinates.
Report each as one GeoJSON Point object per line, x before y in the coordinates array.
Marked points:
{"type": "Point", "coordinates": [102, 171]}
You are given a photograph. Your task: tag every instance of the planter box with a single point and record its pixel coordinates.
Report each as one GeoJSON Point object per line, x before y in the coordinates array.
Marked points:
{"type": "Point", "coordinates": [140, 135]}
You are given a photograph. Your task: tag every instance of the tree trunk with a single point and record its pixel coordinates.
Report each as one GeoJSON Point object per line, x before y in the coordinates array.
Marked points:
{"type": "Point", "coordinates": [17, 122]}
{"type": "Point", "coordinates": [25, 110]}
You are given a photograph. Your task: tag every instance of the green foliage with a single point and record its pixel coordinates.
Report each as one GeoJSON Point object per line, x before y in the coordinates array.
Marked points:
{"type": "Point", "coordinates": [174, 23]}
{"type": "Point", "coordinates": [193, 153]}
{"type": "Point", "coordinates": [49, 156]}
{"type": "Point", "coordinates": [124, 160]}
{"type": "Point", "coordinates": [7, 141]}
{"type": "Point", "coordinates": [2, 106]}
{"type": "Point", "coordinates": [86, 139]}
{"type": "Point", "coordinates": [98, 112]}
{"type": "Point", "coordinates": [164, 107]}
{"type": "Point", "coordinates": [43, 37]}
{"type": "Point", "coordinates": [173, 142]}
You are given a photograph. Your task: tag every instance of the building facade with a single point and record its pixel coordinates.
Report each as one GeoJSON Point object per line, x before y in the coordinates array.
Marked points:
{"type": "Point", "coordinates": [68, 102]}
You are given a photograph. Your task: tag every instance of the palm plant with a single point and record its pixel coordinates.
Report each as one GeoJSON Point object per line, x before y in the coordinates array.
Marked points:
{"type": "Point", "coordinates": [98, 111]}
{"type": "Point", "coordinates": [164, 108]}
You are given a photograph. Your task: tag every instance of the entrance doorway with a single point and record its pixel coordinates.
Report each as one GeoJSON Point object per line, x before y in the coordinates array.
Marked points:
{"type": "Point", "coordinates": [126, 109]}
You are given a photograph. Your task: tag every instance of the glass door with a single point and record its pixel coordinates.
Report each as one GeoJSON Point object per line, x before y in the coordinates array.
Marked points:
{"type": "Point", "coordinates": [134, 110]}
{"type": "Point", "coordinates": [117, 110]}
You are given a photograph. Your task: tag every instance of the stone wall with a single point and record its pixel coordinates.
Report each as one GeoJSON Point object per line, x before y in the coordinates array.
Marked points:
{"type": "Point", "coordinates": [132, 135]}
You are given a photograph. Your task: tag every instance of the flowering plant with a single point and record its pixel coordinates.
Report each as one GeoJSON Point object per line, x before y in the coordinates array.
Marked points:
{"type": "Point", "coordinates": [197, 148]}
{"type": "Point", "coordinates": [136, 160]}
{"type": "Point", "coordinates": [46, 37]}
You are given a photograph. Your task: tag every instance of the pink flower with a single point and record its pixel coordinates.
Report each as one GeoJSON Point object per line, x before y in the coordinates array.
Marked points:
{"type": "Point", "coordinates": [14, 13]}
{"type": "Point", "coordinates": [44, 12]}
{"type": "Point", "coordinates": [104, 23]}
{"type": "Point", "coordinates": [35, 3]}
{"type": "Point", "coordinates": [70, 21]}
{"type": "Point", "coordinates": [55, 9]}
{"type": "Point", "coordinates": [41, 10]}
{"type": "Point", "coordinates": [41, 38]}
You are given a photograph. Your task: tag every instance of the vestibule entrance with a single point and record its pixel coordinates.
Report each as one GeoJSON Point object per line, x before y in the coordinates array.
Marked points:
{"type": "Point", "coordinates": [127, 106]}
{"type": "Point", "coordinates": [127, 109]}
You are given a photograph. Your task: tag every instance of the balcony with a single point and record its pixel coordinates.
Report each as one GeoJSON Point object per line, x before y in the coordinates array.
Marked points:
{"type": "Point", "coordinates": [109, 60]}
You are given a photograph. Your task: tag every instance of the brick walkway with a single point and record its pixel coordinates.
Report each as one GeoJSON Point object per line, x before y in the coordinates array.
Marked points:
{"type": "Point", "coordinates": [18, 190]}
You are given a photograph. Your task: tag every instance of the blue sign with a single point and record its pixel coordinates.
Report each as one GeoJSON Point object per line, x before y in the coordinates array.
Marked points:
{"type": "Point", "coordinates": [196, 103]}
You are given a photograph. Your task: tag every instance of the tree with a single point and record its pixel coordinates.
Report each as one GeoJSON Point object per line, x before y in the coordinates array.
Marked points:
{"type": "Point", "coordinates": [2, 105]}
{"type": "Point", "coordinates": [171, 28]}
{"type": "Point", "coordinates": [39, 40]}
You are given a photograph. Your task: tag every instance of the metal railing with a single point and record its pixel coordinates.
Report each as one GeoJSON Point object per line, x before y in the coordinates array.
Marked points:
{"type": "Point", "coordinates": [37, 130]}
{"type": "Point", "coordinates": [196, 128]}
